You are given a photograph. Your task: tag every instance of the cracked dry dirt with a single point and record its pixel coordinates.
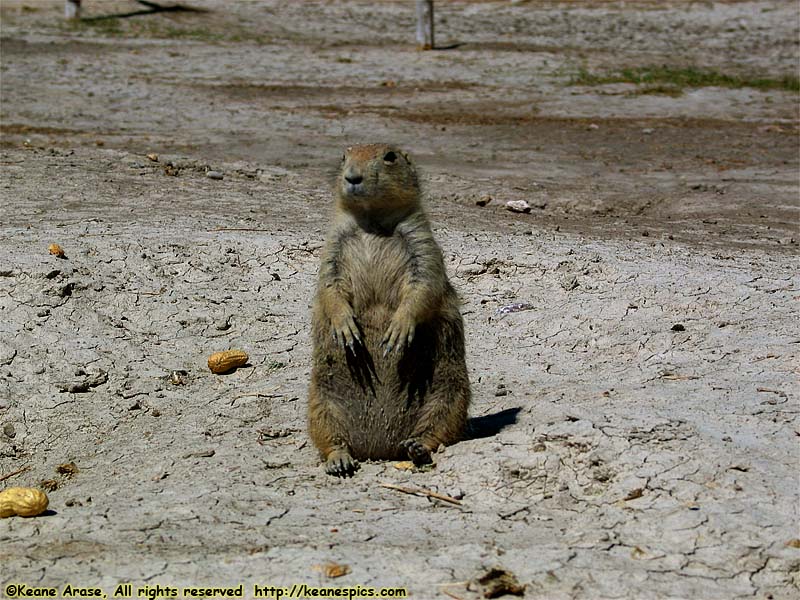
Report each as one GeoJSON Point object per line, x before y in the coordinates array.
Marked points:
{"type": "Point", "coordinates": [635, 430]}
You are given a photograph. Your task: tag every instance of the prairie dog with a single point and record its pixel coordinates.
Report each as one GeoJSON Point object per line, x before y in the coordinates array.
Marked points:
{"type": "Point", "coordinates": [389, 377]}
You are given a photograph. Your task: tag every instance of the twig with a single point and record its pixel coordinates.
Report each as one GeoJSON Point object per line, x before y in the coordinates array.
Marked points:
{"type": "Point", "coordinates": [17, 472]}
{"type": "Point", "coordinates": [771, 391]}
{"type": "Point", "coordinates": [446, 593]}
{"type": "Point", "coordinates": [421, 492]}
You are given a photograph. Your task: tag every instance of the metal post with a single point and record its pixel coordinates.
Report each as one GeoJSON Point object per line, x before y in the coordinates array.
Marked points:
{"type": "Point", "coordinates": [425, 24]}
{"type": "Point", "coordinates": [72, 9]}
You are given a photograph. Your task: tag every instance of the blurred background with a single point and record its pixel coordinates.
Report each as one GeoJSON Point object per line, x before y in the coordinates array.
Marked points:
{"type": "Point", "coordinates": [585, 108]}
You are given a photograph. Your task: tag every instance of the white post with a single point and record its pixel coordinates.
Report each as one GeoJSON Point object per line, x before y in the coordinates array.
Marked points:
{"type": "Point", "coordinates": [72, 9]}
{"type": "Point", "coordinates": [425, 24]}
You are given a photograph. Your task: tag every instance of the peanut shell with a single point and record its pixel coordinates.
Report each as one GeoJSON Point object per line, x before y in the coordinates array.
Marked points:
{"type": "Point", "coordinates": [25, 502]}
{"type": "Point", "coordinates": [223, 362]}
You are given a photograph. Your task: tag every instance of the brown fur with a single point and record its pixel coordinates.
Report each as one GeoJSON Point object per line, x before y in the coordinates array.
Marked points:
{"type": "Point", "coordinates": [389, 378]}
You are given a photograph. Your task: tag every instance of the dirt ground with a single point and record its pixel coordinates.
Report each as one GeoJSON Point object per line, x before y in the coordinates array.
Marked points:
{"type": "Point", "coordinates": [635, 430]}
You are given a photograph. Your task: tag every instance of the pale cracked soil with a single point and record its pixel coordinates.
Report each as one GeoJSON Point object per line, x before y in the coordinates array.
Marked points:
{"type": "Point", "coordinates": [635, 429]}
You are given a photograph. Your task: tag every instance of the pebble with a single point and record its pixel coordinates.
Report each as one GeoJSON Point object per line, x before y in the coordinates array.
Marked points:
{"type": "Point", "coordinates": [515, 307]}
{"type": "Point", "coordinates": [518, 206]}
{"type": "Point", "coordinates": [214, 175]}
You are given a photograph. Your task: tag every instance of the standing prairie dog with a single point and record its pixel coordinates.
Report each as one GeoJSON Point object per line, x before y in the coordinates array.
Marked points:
{"type": "Point", "coordinates": [389, 378]}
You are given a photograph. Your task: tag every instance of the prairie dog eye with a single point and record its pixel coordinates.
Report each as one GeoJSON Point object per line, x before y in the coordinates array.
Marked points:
{"type": "Point", "coordinates": [389, 157]}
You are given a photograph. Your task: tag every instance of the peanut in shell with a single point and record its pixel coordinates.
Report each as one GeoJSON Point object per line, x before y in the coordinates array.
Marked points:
{"type": "Point", "coordinates": [24, 502]}
{"type": "Point", "coordinates": [224, 362]}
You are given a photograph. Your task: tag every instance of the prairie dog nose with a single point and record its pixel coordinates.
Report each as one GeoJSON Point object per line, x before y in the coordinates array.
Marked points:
{"type": "Point", "coordinates": [353, 178]}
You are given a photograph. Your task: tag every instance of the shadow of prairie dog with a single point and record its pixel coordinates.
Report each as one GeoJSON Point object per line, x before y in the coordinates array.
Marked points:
{"type": "Point", "coordinates": [389, 378]}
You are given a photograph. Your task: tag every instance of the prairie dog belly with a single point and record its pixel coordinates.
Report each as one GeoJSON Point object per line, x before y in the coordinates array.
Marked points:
{"type": "Point", "coordinates": [371, 391]}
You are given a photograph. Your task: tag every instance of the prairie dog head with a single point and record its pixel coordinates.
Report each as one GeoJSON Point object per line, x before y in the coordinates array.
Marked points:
{"type": "Point", "coordinates": [377, 180]}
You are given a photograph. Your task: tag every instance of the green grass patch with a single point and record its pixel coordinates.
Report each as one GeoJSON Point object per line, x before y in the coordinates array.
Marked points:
{"type": "Point", "coordinates": [108, 27]}
{"type": "Point", "coordinates": [672, 79]}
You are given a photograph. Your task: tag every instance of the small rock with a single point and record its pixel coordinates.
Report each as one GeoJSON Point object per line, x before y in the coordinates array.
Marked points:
{"type": "Point", "coordinates": [214, 175]}
{"type": "Point", "coordinates": [518, 206]}
{"type": "Point", "coordinates": [81, 387]}
{"type": "Point", "coordinates": [593, 127]}
{"type": "Point", "coordinates": [9, 431]}
{"type": "Point", "coordinates": [222, 324]}
{"type": "Point", "coordinates": [678, 327]}
{"type": "Point", "coordinates": [483, 201]}
{"type": "Point", "coordinates": [512, 308]}
{"type": "Point", "coordinates": [153, 156]}
{"type": "Point", "coordinates": [647, 130]}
